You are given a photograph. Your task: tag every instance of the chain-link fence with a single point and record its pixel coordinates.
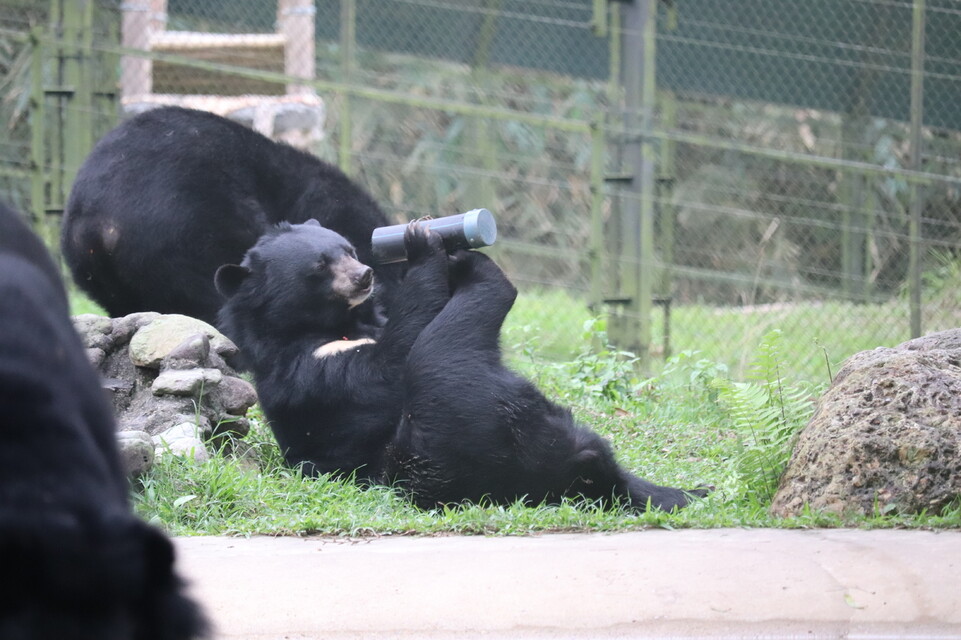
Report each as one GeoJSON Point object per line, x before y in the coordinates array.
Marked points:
{"type": "Point", "coordinates": [700, 171]}
{"type": "Point", "coordinates": [15, 84]}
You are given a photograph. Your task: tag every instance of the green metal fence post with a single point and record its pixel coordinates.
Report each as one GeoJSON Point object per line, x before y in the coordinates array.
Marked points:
{"type": "Point", "coordinates": [107, 86]}
{"type": "Point", "coordinates": [645, 175]}
{"type": "Point", "coordinates": [596, 248]}
{"type": "Point", "coordinates": [613, 237]}
{"type": "Point", "coordinates": [851, 189]}
{"type": "Point", "coordinates": [917, 203]}
{"type": "Point", "coordinates": [38, 159]}
{"type": "Point", "coordinates": [78, 122]}
{"type": "Point", "coordinates": [483, 144]}
{"type": "Point", "coordinates": [56, 121]}
{"type": "Point", "coordinates": [599, 9]}
{"type": "Point", "coordinates": [637, 203]}
{"type": "Point", "coordinates": [666, 178]}
{"type": "Point", "coordinates": [854, 192]}
{"type": "Point", "coordinates": [348, 44]}
{"type": "Point", "coordinates": [666, 214]}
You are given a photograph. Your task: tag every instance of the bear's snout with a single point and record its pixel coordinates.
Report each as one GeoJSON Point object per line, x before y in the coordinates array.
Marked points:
{"type": "Point", "coordinates": [353, 281]}
{"type": "Point", "coordinates": [364, 277]}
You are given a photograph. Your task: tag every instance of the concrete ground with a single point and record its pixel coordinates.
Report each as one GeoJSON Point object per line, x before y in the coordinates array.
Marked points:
{"type": "Point", "coordinates": [721, 583]}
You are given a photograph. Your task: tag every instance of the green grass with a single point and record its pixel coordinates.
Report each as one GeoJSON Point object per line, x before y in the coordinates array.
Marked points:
{"type": "Point", "coordinates": [548, 323]}
{"type": "Point", "coordinates": [677, 425]}
{"type": "Point", "coordinates": [673, 429]}
{"type": "Point", "coordinates": [81, 304]}
{"type": "Point", "coordinates": [551, 325]}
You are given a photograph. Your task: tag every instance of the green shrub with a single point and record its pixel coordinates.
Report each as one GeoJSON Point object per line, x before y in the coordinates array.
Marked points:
{"type": "Point", "coordinates": [766, 414]}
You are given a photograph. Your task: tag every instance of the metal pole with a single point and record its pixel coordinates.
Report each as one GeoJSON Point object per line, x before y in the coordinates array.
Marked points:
{"type": "Point", "coordinates": [637, 76]}
{"type": "Point", "coordinates": [666, 177]}
{"type": "Point", "coordinates": [56, 121]}
{"type": "Point", "coordinates": [78, 136]}
{"type": "Point", "coordinates": [295, 19]}
{"type": "Point", "coordinates": [648, 185]}
{"type": "Point", "coordinates": [38, 183]}
{"type": "Point", "coordinates": [483, 148]}
{"type": "Point", "coordinates": [596, 251]}
{"type": "Point", "coordinates": [917, 200]}
{"type": "Point", "coordinates": [136, 73]}
{"type": "Point", "coordinates": [348, 42]}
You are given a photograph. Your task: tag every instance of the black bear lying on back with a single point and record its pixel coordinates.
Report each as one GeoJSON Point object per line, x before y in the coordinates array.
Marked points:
{"type": "Point", "coordinates": [426, 402]}
{"type": "Point", "coordinates": [75, 562]}
{"type": "Point", "coordinates": [171, 194]}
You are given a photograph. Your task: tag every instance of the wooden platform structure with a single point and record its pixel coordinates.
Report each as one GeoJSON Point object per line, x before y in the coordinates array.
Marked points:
{"type": "Point", "coordinates": [261, 51]}
{"type": "Point", "coordinates": [147, 83]}
{"type": "Point", "coordinates": [290, 50]}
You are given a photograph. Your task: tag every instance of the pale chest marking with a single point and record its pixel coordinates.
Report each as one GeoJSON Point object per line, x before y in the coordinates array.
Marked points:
{"type": "Point", "coordinates": [339, 346]}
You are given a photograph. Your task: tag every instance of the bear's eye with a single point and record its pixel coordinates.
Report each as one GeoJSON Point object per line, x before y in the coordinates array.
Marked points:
{"type": "Point", "coordinates": [320, 266]}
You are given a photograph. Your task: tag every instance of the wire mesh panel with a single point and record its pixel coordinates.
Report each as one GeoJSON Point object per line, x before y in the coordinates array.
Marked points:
{"type": "Point", "coordinates": [802, 158]}
{"type": "Point", "coordinates": [16, 21]}
{"type": "Point", "coordinates": [57, 95]}
{"type": "Point", "coordinates": [793, 170]}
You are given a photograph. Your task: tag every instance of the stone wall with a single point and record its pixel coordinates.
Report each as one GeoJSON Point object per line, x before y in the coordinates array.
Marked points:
{"type": "Point", "coordinates": [170, 383]}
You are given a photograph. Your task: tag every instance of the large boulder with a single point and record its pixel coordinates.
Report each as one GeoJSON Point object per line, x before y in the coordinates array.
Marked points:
{"type": "Point", "coordinates": [169, 381]}
{"type": "Point", "coordinates": [886, 437]}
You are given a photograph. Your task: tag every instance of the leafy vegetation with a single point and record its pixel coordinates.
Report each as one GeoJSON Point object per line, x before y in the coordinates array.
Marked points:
{"type": "Point", "coordinates": [725, 414]}
{"type": "Point", "coordinates": [766, 415]}
{"type": "Point", "coordinates": [723, 409]}
{"type": "Point", "coordinates": [686, 425]}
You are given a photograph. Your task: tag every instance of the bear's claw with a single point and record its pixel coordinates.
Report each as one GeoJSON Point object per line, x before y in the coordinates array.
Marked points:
{"type": "Point", "coordinates": [421, 242]}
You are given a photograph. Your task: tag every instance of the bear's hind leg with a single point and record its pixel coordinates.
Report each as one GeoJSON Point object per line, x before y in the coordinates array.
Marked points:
{"type": "Point", "coordinates": [598, 476]}
{"type": "Point", "coordinates": [640, 492]}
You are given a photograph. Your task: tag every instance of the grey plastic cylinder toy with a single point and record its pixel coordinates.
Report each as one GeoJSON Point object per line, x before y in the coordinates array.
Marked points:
{"type": "Point", "coordinates": [469, 230]}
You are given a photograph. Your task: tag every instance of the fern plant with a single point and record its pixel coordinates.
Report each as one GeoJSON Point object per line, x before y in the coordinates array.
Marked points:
{"type": "Point", "coordinates": [767, 415]}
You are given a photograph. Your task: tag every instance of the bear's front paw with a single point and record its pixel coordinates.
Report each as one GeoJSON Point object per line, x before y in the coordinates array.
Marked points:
{"type": "Point", "coordinates": [421, 242]}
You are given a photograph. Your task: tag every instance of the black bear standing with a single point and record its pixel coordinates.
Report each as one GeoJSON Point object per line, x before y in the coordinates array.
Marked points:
{"type": "Point", "coordinates": [76, 563]}
{"type": "Point", "coordinates": [426, 402]}
{"type": "Point", "coordinates": [171, 194]}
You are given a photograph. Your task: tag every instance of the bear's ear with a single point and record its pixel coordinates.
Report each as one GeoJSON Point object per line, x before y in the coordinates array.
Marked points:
{"type": "Point", "coordinates": [312, 222]}
{"type": "Point", "coordinates": [229, 277]}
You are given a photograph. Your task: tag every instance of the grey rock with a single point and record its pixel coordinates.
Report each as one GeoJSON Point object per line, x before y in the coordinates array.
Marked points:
{"type": "Point", "coordinates": [131, 423]}
{"type": "Point", "coordinates": [96, 332]}
{"type": "Point", "coordinates": [886, 435]}
{"type": "Point", "coordinates": [136, 452]}
{"type": "Point", "coordinates": [200, 424]}
{"type": "Point", "coordinates": [946, 340]}
{"type": "Point", "coordinates": [286, 116]}
{"type": "Point", "coordinates": [156, 413]}
{"type": "Point", "coordinates": [116, 384]}
{"type": "Point", "coordinates": [179, 431]}
{"type": "Point", "coordinates": [192, 352]}
{"type": "Point", "coordinates": [232, 425]}
{"type": "Point", "coordinates": [237, 395]}
{"type": "Point", "coordinates": [154, 341]}
{"type": "Point", "coordinates": [180, 378]}
{"type": "Point", "coordinates": [186, 382]}
{"type": "Point", "coordinates": [95, 356]}
{"type": "Point", "coordinates": [184, 439]}
{"type": "Point", "coordinates": [125, 327]}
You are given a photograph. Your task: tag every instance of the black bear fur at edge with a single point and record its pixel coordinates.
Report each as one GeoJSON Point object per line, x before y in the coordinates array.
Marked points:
{"type": "Point", "coordinates": [171, 194]}
{"type": "Point", "coordinates": [76, 562]}
{"type": "Point", "coordinates": [428, 405]}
